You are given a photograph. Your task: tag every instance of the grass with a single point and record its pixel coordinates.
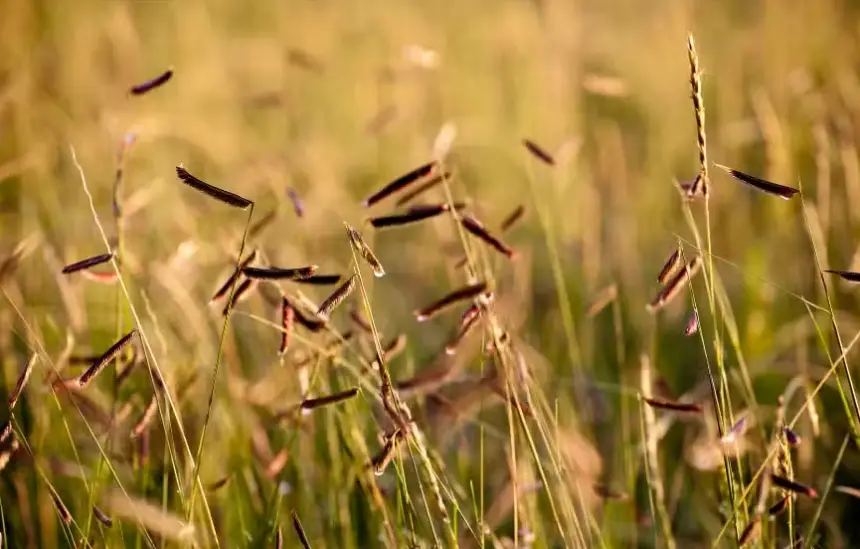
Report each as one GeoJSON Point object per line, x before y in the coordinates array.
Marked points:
{"type": "Point", "coordinates": [535, 432]}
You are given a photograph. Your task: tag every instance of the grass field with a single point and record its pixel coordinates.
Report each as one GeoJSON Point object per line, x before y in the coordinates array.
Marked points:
{"type": "Point", "coordinates": [533, 429]}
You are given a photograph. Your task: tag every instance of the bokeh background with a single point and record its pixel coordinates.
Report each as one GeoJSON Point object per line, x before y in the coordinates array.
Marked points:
{"type": "Point", "coordinates": [334, 99]}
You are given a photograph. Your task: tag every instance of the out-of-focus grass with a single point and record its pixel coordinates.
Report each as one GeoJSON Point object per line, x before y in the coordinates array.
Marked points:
{"type": "Point", "coordinates": [325, 98]}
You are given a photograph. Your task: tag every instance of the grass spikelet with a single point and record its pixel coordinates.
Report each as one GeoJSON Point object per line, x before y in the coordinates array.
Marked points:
{"type": "Point", "coordinates": [288, 317]}
{"type": "Point", "coordinates": [151, 517]}
{"type": "Point", "coordinates": [152, 84]}
{"type": "Point", "coordinates": [674, 406]}
{"type": "Point", "coordinates": [792, 486]}
{"type": "Point", "coordinates": [336, 398]}
{"type": "Point", "coordinates": [477, 229]}
{"type": "Point", "coordinates": [608, 493]}
{"type": "Point", "coordinates": [400, 183]}
{"type": "Point", "coordinates": [102, 517]}
{"type": "Point", "coordinates": [337, 297]}
{"type": "Point", "coordinates": [364, 251]}
{"type": "Point", "coordinates": [703, 181]}
{"type": "Point", "coordinates": [212, 191]}
{"type": "Point", "coordinates": [308, 322]}
{"type": "Point", "coordinates": [391, 350]}
{"type": "Point", "coordinates": [692, 325]}
{"type": "Point", "coordinates": [104, 359]}
{"type": "Point", "coordinates": [386, 454]}
{"type": "Point", "coordinates": [300, 531]}
{"type": "Point", "coordinates": [220, 483]}
{"type": "Point", "coordinates": [241, 293]}
{"type": "Point", "coordinates": [422, 188]}
{"type": "Point", "coordinates": [6, 431]}
{"type": "Point", "coordinates": [670, 267]}
{"type": "Point", "coordinates": [603, 298]}
{"type": "Point", "coordinates": [320, 280]}
{"type": "Point", "coordinates": [6, 453]}
{"type": "Point", "coordinates": [444, 303]}
{"type": "Point", "coordinates": [108, 277]}
{"type": "Point", "coordinates": [296, 201]}
{"type": "Point", "coordinates": [467, 324]}
{"type": "Point", "coordinates": [848, 276]}
{"type": "Point", "coordinates": [792, 438]}
{"type": "Point", "coordinates": [276, 273]}
{"type": "Point", "coordinates": [146, 419]}
{"type": "Point", "coordinates": [762, 185]}
{"type": "Point", "coordinates": [752, 531]}
{"type": "Point", "coordinates": [538, 152]}
{"type": "Point", "coordinates": [224, 288]}
{"type": "Point", "coordinates": [358, 319]}
{"type": "Point", "coordinates": [61, 507]}
{"type": "Point", "coordinates": [414, 214]}
{"type": "Point", "coordinates": [513, 218]}
{"type": "Point", "coordinates": [277, 463]}
{"type": "Point", "coordinates": [734, 433]}
{"type": "Point", "coordinates": [674, 287]}
{"type": "Point", "coordinates": [779, 507]}
{"type": "Point", "coordinates": [22, 381]}
{"type": "Point", "coordinates": [87, 263]}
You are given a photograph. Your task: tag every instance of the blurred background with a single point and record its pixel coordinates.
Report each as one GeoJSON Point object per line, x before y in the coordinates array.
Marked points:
{"type": "Point", "coordinates": [333, 100]}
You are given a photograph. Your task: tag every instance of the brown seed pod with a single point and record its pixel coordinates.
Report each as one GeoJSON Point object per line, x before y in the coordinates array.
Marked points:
{"type": "Point", "coordinates": [673, 405]}
{"type": "Point", "coordinates": [277, 273]}
{"type": "Point", "coordinates": [539, 152]}
{"type": "Point", "coordinates": [445, 302]}
{"type": "Point", "coordinates": [22, 381]}
{"type": "Point", "coordinates": [335, 299]}
{"type": "Point", "coordinates": [364, 251]}
{"type": "Point", "coordinates": [400, 183]}
{"type": "Point", "coordinates": [477, 229]}
{"type": "Point", "coordinates": [104, 359]}
{"type": "Point", "coordinates": [87, 263]}
{"type": "Point", "coordinates": [314, 403]}
{"type": "Point", "coordinates": [762, 185]}
{"type": "Point", "coordinates": [228, 284]}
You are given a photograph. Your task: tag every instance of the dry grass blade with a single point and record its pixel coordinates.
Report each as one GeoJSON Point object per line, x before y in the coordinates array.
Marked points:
{"type": "Point", "coordinates": [104, 359]}
{"type": "Point", "coordinates": [752, 530]}
{"type": "Point", "coordinates": [422, 188]}
{"type": "Point", "coordinates": [513, 218]}
{"type": "Point", "coordinates": [151, 517]}
{"type": "Point", "coordinates": [849, 276]}
{"type": "Point", "coordinates": [276, 273]}
{"type": "Point", "coordinates": [300, 531]}
{"type": "Point", "coordinates": [241, 293]}
{"type": "Point", "coordinates": [224, 288]}
{"type": "Point", "coordinates": [337, 297]}
{"type": "Point", "coordinates": [102, 517]}
{"type": "Point", "coordinates": [314, 403]}
{"type": "Point", "coordinates": [146, 418]}
{"type": "Point", "coordinates": [670, 267]}
{"type": "Point", "coordinates": [848, 491]}
{"type": "Point", "coordinates": [477, 229]}
{"type": "Point", "coordinates": [364, 251]}
{"type": "Point", "coordinates": [673, 405]}
{"type": "Point", "coordinates": [457, 296]}
{"type": "Point", "coordinates": [277, 463]}
{"type": "Point", "coordinates": [296, 200]}
{"type": "Point", "coordinates": [22, 381]}
{"type": "Point", "coordinates": [320, 280]}
{"type": "Point", "coordinates": [603, 298]}
{"type": "Point", "coordinates": [400, 183]}
{"type": "Point", "coordinates": [150, 85]}
{"type": "Point", "coordinates": [212, 191]}
{"type": "Point", "coordinates": [762, 185]}
{"type": "Point", "coordinates": [674, 287]}
{"type": "Point", "coordinates": [538, 152]}
{"type": "Point", "coordinates": [792, 486]}
{"type": "Point", "coordinates": [87, 263]}
{"type": "Point", "coordinates": [412, 215]}
{"type": "Point", "coordinates": [288, 317]}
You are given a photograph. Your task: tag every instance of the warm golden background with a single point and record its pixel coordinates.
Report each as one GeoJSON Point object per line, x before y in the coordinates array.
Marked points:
{"type": "Point", "coordinates": [335, 99]}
